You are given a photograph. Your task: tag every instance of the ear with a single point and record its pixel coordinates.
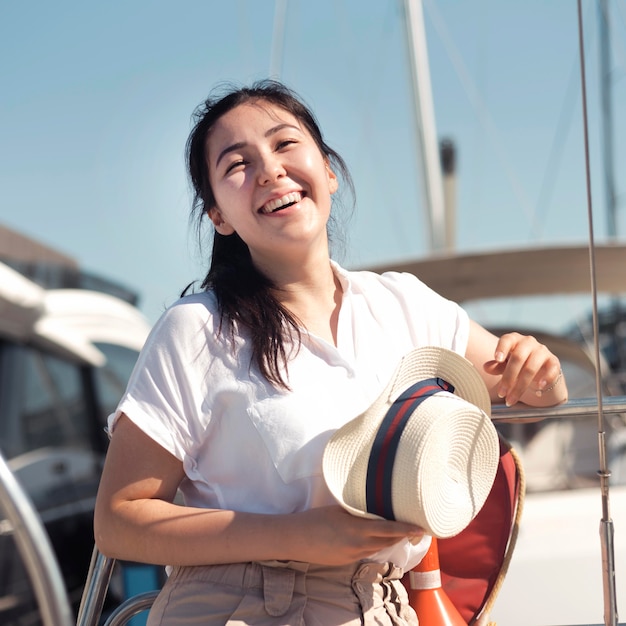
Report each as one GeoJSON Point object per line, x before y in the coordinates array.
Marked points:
{"type": "Point", "coordinates": [333, 183]}
{"type": "Point", "coordinates": [221, 226]}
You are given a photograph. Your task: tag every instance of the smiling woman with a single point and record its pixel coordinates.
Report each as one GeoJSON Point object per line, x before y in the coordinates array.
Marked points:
{"type": "Point", "coordinates": [231, 159]}
{"type": "Point", "coordinates": [240, 387]}
{"type": "Point", "coordinates": [270, 166]}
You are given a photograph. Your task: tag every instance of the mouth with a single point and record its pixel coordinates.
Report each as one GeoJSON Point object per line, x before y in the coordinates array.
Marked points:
{"type": "Point", "coordinates": [289, 199]}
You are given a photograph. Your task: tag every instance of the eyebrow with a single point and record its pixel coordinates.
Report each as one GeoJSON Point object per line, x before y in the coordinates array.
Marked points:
{"type": "Point", "coordinates": [242, 144]}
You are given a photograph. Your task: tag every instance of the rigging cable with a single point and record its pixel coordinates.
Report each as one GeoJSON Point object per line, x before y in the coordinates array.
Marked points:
{"type": "Point", "coordinates": [606, 523]}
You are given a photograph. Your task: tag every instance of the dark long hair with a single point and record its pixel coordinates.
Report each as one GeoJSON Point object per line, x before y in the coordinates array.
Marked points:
{"type": "Point", "coordinates": [245, 296]}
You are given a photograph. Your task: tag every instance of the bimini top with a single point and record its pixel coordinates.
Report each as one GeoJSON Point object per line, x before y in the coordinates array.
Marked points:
{"type": "Point", "coordinates": [67, 322]}
{"type": "Point", "coordinates": [519, 272]}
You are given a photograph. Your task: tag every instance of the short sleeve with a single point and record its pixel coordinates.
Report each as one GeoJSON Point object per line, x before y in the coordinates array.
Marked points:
{"type": "Point", "coordinates": [165, 393]}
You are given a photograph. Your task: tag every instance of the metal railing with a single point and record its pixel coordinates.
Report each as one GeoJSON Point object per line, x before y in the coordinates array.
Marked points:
{"type": "Point", "coordinates": [36, 551]}
{"type": "Point", "coordinates": [578, 407]}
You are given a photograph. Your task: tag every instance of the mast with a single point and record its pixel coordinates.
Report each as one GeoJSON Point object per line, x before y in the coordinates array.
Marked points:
{"type": "Point", "coordinates": [278, 39]}
{"type": "Point", "coordinates": [448, 168]}
{"type": "Point", "coordinates": [426, 128]}
{"type": "Point", "coordinates": [607, 117]}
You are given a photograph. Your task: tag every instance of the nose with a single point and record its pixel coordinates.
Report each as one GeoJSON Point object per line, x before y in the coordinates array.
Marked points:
{"type": "Point", "coordinates": [270, 169]}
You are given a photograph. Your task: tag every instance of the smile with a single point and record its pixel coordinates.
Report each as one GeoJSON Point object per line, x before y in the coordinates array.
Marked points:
{"type": "Point", "coordinates": [285, 201]}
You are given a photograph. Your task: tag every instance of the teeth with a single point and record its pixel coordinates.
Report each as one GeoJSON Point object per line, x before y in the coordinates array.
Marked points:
{"type": "Point", "coordinates": [289, 198]}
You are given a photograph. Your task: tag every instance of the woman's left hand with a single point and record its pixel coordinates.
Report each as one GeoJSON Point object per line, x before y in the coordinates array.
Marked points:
{"type": "Point", "coordinates": [516, 368]}
{"type": "Point", "coordinates": [528, 371]}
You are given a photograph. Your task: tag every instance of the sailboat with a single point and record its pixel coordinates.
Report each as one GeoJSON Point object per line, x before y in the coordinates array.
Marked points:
{"type": "Point", "coordinates": [565, 567]}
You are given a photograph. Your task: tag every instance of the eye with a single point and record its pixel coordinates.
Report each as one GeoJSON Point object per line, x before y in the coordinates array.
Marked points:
{"type": "Point", "coordinates": [285, 143]}
{"type": "Point", "coordinates": [234, 165]}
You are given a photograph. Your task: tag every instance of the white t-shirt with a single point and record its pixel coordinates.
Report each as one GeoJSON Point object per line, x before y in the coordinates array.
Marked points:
{"type": "Point", "coordinates": [247, 446]}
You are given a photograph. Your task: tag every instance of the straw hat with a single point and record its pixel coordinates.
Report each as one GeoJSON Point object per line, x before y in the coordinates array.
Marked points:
{"type": "Point", "coordinates": [426, 452]}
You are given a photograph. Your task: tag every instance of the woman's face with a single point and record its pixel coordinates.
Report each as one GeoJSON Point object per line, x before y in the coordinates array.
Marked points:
{"type": "Point", "coordinates": [271, 183]}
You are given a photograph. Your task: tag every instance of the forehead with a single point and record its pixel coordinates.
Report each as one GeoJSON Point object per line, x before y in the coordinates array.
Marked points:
{"type": "Point", "coordinates": [247, 121]}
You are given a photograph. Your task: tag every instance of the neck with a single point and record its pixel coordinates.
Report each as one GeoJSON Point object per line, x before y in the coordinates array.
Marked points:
{"type": "Point", "coordinates": [313, 296]}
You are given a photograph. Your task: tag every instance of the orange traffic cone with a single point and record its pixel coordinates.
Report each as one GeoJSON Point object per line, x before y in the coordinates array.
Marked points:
{"type": "Point", "coordinates": [426, 595]}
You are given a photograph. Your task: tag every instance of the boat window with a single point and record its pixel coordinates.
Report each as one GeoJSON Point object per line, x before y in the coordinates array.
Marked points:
{"type": "Point", "coordinates": [45, 403]}
{"type": "Point", "coordinates": [110, 380]}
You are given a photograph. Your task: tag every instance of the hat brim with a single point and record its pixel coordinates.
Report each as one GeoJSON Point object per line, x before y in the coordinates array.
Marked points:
{"type": "Point", "coordinates": [348, 449]}
{"type": "Point", "coordinates": [431, 362]}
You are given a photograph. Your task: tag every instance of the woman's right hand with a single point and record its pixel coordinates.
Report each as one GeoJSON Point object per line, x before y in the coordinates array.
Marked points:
{"type": "Point", "coordinates": [330, 535]}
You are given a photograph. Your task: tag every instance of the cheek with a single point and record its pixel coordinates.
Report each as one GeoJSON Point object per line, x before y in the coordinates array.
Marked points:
{"type": "Point", "coordinates": [314, 163]}
{"type": "Point", "coordinates": [227, 190]}
{"type": "Point", "coordinates": [315, 167]}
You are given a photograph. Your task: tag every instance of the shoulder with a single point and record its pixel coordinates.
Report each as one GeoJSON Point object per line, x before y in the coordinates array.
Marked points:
{"type": "Point", "coordinates": [400, 291]}
{"type": "Point", "coordinates": [182, 320]}
{"type": "Point", "coordinates": [394, 282]}
{"type": "Point", "coordinates": [198, 306]}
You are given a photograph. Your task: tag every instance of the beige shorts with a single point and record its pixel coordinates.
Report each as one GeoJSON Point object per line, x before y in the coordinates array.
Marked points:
{"type": "Point", "coordinates": [277, 593]}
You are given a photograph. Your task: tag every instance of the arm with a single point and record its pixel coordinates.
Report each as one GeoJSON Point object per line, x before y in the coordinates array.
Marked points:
{"type": "Point", "coordinates": [516, 368]}
{"type": "Point", "coordinates": [136, 519]}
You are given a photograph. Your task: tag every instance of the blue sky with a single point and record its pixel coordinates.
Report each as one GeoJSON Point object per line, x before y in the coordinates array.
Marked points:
{"type": "Point", "coordinates": [96, 101]}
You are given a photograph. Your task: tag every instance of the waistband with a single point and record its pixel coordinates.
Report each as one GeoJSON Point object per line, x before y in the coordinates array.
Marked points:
{"type": "Point", "coordinates": [282, 580]}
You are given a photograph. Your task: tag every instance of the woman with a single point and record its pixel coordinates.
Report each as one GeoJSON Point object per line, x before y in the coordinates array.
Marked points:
{"type": "Point", "coordinates": [240, 386]}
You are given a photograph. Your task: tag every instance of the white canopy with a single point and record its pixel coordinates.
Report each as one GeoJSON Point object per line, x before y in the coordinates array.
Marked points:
{"type": "Point", "coordinates": [519, 272]}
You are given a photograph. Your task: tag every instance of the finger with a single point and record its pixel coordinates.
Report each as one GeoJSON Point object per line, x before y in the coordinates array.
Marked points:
{"type": "Point", "coordinates": [540, 367]}
{"type": "Point", "coordinates": [386, 528]}
{"type": "Point", "coordinates": [522, 366]}
{"type": "Point", "coordinates": [548, 377]}
{"type": "Point", "coordinates": [506, 344]}
{"type": "Point", "coordinates": [524, 380]}
{"type": "Point", "coordinates": [494, 368]}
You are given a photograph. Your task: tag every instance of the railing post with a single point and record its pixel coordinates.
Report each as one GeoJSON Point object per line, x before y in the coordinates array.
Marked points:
{"type": "Point", "coordinates": [36, 550]}
{"type": "Point", "coordinates": [96, 586]}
